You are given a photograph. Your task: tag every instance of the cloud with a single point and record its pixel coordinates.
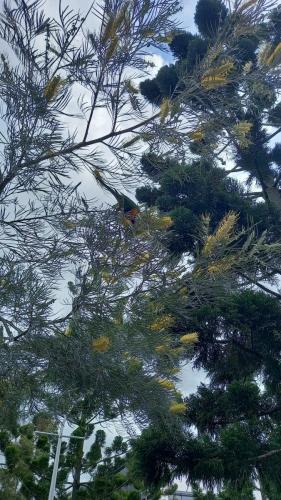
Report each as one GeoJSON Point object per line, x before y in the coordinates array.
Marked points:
{"type": "Point", "coordinates": [157, 61]}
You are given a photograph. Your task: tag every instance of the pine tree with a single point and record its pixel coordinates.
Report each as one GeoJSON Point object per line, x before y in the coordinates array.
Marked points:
{"type": "Point", "coordinates": [29, 457]}
{"type": "Point", "coordinates": [247, 64]}
{"type": "Point", "coordinates": [229, 437]}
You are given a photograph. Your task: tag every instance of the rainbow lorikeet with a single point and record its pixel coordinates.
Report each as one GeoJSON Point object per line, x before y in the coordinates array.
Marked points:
{"type": "Point", "coordinates": [124, 204]}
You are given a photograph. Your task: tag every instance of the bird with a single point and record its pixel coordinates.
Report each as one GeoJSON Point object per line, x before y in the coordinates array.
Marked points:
{"type": "Point", "coordinates": [124, 204]}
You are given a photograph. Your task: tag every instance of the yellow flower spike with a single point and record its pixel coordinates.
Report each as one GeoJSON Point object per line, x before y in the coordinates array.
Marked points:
{"type": "Point", "coordinates": [166, 384]}
{"type": "Point", "coordinates": [177, 408]}
{"type": "Point", "coordinates": [247, 68]}
{"type": "Point", "coordinates": [190, 338]}
{"type": "Point", "coordinates": [183, 292]}
{"type": "Point", "coordinates": [142, 258]}
{"type": "Point", "coordinates": [52, 88]}
{"type": "Point", "coordinates": [165, 321]}
{"type": "Point", "coordinates": [241, 130]}
{"type": "Point", "coordinates": [108, 278]}
{"type": "Point", "coordinates": [274, 58]}
{"type": "Point", "coordinates": [134, 364]}
{"type": "Point", "coordinates": [211, 82]}
{"type": "Point", "coordinates": [222, 234]}
{"type": "Point", "coordinates": [112, 48]}
{"type": "Point", "coordinates": [217, 76]}
{"type": "Point", "coordinates": [222, 265]}
{"type": "Point", "coordinates": [226, 226]}
{"type": "Point", "coordinates": [109, 30]}
{"type": "Point", "coordinates": [102, 344]}
{"type": "Point", "coordinates": [134, 360]}
{"type": "Point", "coordinates": [166, 221]}
{"type": "Point", "coordinates": [162, 349]}
{"type": "Point", "coordinates": [265, 53]}
{"type": "Point", "coordinates": [165, 109]}
{"type": "Point", "coordinates": [68, 224]}
{"type": "Point", "coordinates": [197, 135]}
{"type": "Point", "coordinates": [113, 24]}
{"type": "Point", "coordinates": [68, 331]}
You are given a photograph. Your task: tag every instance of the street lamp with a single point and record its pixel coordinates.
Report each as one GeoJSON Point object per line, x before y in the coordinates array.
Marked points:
{"type": "Point", "coordinates": [59, 435]}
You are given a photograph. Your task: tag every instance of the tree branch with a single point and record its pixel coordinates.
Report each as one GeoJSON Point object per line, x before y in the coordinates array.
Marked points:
{"type": "Point", "coordinates": [75, 147]}
{"type": "Point", "coordinates": [266, 455]}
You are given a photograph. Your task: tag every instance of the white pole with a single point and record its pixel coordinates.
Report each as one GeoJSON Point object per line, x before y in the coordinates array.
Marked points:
{"type": "Point", "coordinates": [52, 491]}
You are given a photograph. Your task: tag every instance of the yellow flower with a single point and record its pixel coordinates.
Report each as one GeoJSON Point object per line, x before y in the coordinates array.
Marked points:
{"type": "Point", "coordinates": [247, 68]}
{"type": "Point", "coordinates": [241, 130]}
{"type": "Point", "coordinates": [177, 408]}
{"type": "Point", "coordinates": [165, 109]}
{"type": "Point", "coordinates": [183, 292]}
{"type": "Point", "coordinates": [102, 344]}
{"type": "Point", "coordinates": [142, 258]}
{"type": "Point", "coordinates": [166, 384]}
{"type": "Point", "coordinates": [68, 331]}
{"type": "Point", "coordinates": [52, 88]}
{"type": "Point", "coordinates": [222, 234]}
{"type": "Point", "coordinates": [112, 48]}
{"type": "Point", "coordinates": [274, 58]}
{"type": "Point", "coordinates": [134, 363]}
{"type": "Point", "coordinates": [217, 76]}
{"type": "Point", "coordinates": [166, 221]}
{"type": "Point", "coordinates": [190, 338]}
{"type": "Point", "coordinates": [222, 265]}
{"type": "Point", "coordinates": [109, 29]}
{"type": "Point", "coordinates": [113, 24]}
{"type": "Point", "coordinates": [166, 321]}
{"type": "Point", "coordinates": [212, 82]}
{"type": "Point", "coordinates": [197, 135]}
{"type": "Point", "coordinates": [265, 53]}
{"type": "Point", "coordinates": [68, 224]}
{"type": "Point", "coordinates": [108, 278]}
{"type": "Point", "coordinates": [226, 226]}
{"type": "Point", "coordinates": [162, 349]}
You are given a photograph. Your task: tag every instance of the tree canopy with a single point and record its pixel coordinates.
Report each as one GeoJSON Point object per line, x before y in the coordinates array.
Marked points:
{"type": "Point", "coordinates": [186, 273]}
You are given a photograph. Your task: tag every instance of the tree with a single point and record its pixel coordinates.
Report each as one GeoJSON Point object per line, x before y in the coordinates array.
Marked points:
{"type": "Point", "coordinates": [235, 448]}
{"type": "Point", "coordinates": [237, 423]}
{"type": "Point", "coordinates": [209, 15]}
{"type": "Point", "coordinates": [135, 311]}
{"type": "Point", "coordinates": [188, 191]}
{"type": "Point", "coordinates": [29, 461]}
{"type": "Point", "coordinates": [49, 229]}
{"type": "Point", "coordinates": [237, 80]}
